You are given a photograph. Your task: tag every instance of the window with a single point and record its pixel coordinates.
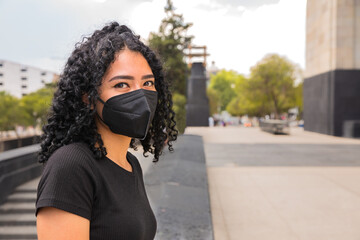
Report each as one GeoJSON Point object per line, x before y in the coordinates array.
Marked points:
{"type": "Point", "coordinates": [43, 81]}
{"type": "Point", "coordinates": [23, 69]}
{"type": "Point", "coordinates": [1, 83]}
{"type": "Point", "coordinates": [43, 73]}
{"type": "Point", "coordinates": [1, 74]}
{"type": "Point", "coordinates": [24, 94]}
{"type": "Point", "coordinates": [23, 78]}
{"type": "Point", "coordinates": [1, 64]}
{"type": "Point", "coordinates": [23, 86]}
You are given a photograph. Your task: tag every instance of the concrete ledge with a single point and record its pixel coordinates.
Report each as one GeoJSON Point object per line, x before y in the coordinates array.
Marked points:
{"type": "Point", "coordinates": [351, 128]}
{"type": "Point", "coordinates": [177, 187]}
{"type": "Point", "coordinates": [275, 126]}
{"type": "Point", "coordinates": [17, 167]}
{"type": "Point", "coordinates": [14, 143]}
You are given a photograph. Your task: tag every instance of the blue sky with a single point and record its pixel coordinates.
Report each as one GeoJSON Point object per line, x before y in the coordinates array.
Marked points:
{"type": "Point", "coordinates": [238, 33]}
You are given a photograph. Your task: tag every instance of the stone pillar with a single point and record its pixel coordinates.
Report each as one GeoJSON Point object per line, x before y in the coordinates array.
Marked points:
{"type": "Point", "coordinates": [332, 76]}
{"type": "Point", "coordinates": [197, 106]}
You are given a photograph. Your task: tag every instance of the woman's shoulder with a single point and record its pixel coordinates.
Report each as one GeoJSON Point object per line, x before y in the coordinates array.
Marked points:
{"type": "Point", "coordinates": [77, 153]}
{"type": "Point", "coordinates": [135, 161]}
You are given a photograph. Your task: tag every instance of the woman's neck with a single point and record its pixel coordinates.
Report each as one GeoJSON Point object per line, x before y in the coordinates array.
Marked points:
{"type": "Point", "coordinates": [116, 145]}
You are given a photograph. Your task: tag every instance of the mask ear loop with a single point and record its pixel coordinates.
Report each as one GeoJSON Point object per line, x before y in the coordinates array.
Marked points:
{"type": "Point", "coordinates": [98, 113]}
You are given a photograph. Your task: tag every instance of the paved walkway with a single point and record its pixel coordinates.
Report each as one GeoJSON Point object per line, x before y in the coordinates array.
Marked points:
{"type": "Point", "coordinates": [262, 186]}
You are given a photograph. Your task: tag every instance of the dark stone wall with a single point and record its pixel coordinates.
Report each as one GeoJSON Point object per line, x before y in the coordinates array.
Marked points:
{"type": "Point", "coordinates": [16, 143]}
{"type": "Point", "coordinates": [197, 106]}
{"type": "Point", "coordinates": [330, 99]}
{"type": "Point", "coordinates": [179, 191]}
{"type": "Point", "coordinates": [18, 166]}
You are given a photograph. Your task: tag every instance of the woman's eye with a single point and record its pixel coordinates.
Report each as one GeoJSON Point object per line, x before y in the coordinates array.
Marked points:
{"type": "Point", "coordinates": [151, 83]}
{"type": "Point", "coordinates": [119, 85]}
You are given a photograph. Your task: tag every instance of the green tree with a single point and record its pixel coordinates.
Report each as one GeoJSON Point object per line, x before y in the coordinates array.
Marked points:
{"type": "Point", "coordinates": [299, 98]}
{"type": "Point", "coordinates": [272, 85]}
{"type": "Point", "coordinates": [169, 43]}
{"type": "Point", "coordinates": [36, 106]}
{"type": "Point", "coordinates": [11, 115]}
{"type": "Point", "coordinates": [222, 89]}
{"type": "Point", "coordinates": [214, 103]}
{"type": "Point", "coordinates": [179, 102]}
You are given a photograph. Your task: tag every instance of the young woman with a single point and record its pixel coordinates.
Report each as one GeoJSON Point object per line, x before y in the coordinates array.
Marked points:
{"type": "Point", "coordinates": [112, 95]}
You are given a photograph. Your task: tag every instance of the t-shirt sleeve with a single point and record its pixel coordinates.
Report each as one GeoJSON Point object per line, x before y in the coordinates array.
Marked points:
{"type": "Point", "coordinates": [67, 182]}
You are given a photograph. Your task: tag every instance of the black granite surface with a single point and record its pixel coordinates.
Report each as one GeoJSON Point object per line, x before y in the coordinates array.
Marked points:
{"type": "Point", "coordinates": [197, 105]}
{"type": "Point", "coordinates": [177, 187]}
{"type": "Point", "coordinates": [331, 99]}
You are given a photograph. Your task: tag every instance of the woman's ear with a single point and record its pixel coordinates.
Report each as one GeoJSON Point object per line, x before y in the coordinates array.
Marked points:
{"type": "Point", "coordinates": [85, 99]}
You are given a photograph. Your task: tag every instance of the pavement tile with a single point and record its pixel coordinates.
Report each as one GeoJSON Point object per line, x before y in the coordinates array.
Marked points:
{"type": "Point", "coordinates": [301, 186]}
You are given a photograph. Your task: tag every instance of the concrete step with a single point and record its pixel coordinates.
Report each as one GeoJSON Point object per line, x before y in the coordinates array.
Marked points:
{"type": "Point", "coordinates": [18, 232]}
{"type": "Point", "coordinates": [17, 217]}
{"type": "Point", "coordinates": [21, 200]}
{"type": "Point", "coordinates": [17, 205]}
{"type": "Point", "coordinates": [29, 190]}
{"type": "Point", "coordinates": [20, 210]}
{"type": "Point", "coordinates": [17, 214]}
{"type": "Point", "coordinates": [24, 230]}
{"type": "Point", "coordinates": [18, 236]}
{"type": "Point", "coordinates": [28, 195]}
{"type": "Point", "coordinates": [31, 185]}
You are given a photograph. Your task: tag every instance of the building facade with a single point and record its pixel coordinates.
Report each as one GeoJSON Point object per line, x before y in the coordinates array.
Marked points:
{"type": "Point", "coordinates": [332, 81]}
{"type": "Point", "coordinates": [20, 80]}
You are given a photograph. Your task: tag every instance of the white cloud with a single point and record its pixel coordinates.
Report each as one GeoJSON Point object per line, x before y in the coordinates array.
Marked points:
{"type": "Point", "coordinates": [235, 40]}
{"type": "Point", "coordinates": [147, 17]}
{"type": "Point", "coordinates": [237, 36]}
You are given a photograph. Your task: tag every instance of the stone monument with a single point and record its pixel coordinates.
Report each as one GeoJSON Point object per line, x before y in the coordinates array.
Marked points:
{"type": "Point", "coordinates": [197, 106]}
{"type": "Point", "coordinates": [332, 77]}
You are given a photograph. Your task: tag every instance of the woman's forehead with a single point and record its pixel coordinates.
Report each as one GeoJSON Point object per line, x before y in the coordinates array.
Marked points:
{"type": "Point", "coordinates": [130, 62]}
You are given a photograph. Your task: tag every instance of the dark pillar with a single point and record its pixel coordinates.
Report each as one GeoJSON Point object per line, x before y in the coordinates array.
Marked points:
{"type": "Point", "coordinates": [197, 106]}
{"type": "Point", "coordinates": [330, 100]}
{"type": "Point", "coordinates": [332, 84]}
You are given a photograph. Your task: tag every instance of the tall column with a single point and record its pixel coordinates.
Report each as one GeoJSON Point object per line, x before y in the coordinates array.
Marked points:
{"type": "Point", "coordinates": [332, 76]}
{"type": "Point", "coordinates": [197, 106]}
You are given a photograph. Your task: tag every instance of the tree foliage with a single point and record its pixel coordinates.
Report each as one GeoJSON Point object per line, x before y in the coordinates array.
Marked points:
{"type": "Point", "coordinates": [222, 89]}
{"type": "Point", "coordinates": [30, 110]}
{"type": "Point", "coordinates": [299, 98]}
{"type": "Point", "coordinates": [169, 43]}
{"type": "Point", "coordinates": [214, 102]}
{"type": "Point", "coordinates": [271, 85]}
{"type": "Point", "coordinates": [269, 89]}
{"type": "Point", "coordinates": [240, 104]}
{"type": "Point", "coordinates": [10, 113]}
{"type": "Point", "coordinates": [179, 102]}
{"type": "Point", "coordinates": [36, 105]}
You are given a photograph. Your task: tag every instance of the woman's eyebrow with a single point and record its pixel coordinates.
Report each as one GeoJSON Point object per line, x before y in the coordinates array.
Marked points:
{"type": "Point", "coordinates": [122, 77]}
{"type": "Point", "coordinates": [149, 76]}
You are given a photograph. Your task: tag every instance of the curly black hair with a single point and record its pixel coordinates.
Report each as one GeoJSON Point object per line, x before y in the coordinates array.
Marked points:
{"type": "Point", "coordinates": [72, 120]}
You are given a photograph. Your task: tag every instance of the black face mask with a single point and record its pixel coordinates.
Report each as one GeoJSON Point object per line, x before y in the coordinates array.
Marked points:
{"type": "Point", "coordinates": [130, 113]}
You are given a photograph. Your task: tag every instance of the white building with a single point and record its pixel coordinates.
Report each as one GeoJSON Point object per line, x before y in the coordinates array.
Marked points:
{"type": "Point", "coordinates": [212, 70]}
{"type": "Point", "coordinates": [19, 80]}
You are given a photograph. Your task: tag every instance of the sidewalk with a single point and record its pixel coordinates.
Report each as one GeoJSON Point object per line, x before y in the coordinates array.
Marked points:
{"type": "Point", "coordinates": [262, 186]}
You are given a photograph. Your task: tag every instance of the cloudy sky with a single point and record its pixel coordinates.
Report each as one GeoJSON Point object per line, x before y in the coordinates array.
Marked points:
{"type": "Point", "coordinates": [238, 33]}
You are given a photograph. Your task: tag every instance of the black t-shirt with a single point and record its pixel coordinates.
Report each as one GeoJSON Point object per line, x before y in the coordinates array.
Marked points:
{"type": "Point", "coordinates": [112, 198]}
